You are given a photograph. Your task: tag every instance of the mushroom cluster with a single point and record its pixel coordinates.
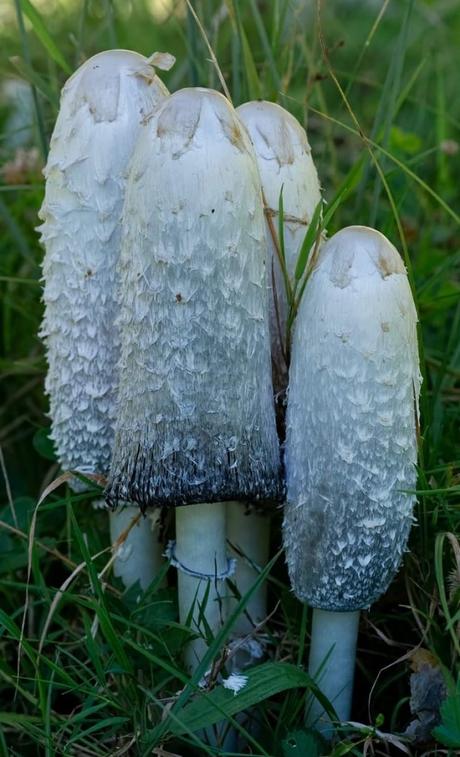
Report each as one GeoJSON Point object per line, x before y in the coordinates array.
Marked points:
{"type": "Point", "coordinates": [169, 374]}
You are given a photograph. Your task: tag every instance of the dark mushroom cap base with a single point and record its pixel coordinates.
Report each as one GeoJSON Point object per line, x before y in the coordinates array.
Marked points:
{"type": "Point", "coordinates": [178, 479]}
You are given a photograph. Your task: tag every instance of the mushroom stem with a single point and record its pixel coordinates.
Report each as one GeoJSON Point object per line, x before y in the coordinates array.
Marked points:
{"type": "Point", "coordinates": [332, 664]}
{"type": "Point", "coordinates": [141, 553]}
{"type": "Point", "coordinates": [248, 532]}
{"type": "Point", "coordinates": [200, 589]}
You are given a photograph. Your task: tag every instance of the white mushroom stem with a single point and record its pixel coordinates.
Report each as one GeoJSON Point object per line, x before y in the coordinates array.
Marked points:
{"type": "Point", "coordinates": [249, 532]}
{"type": "Point", "coordinates": [332, 664]}
{"type": "Point", "coordinates": [201, 591]}
{"type": "Point", "coordinates": [140, 555]}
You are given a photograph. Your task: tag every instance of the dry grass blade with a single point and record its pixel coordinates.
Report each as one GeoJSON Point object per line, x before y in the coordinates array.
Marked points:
{"type": "Point", "coordinates": [383, 637]}
{"type": "Point", "coordinates": [67, 476]}
{"type": "Point", "coordinates": [55, 552]}
{"type": "Point", "coordinates": [8, 488]}
{"type": "Point", "coordinates": [30, 545]}
{"type": "Point", "coordinates": [211, 51]}
{"type": "Point", "coordinates": [59, 594]}
{"type": "Point", "coordinates": [387, 738]}
{"type": "Point", "coordinates": [77, 570]}
{"type": "Point", "coordinates": [408, 656]}
{"type": "Point", "coordinates": [115, 546]}
{"type": "Point", "coordinates": [124, 534]}
{"type": "Point", "coordinates": [52, 486]}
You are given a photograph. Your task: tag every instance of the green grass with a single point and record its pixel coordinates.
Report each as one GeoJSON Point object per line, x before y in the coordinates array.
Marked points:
{"type": "Point", "coordinates": [99, 672]}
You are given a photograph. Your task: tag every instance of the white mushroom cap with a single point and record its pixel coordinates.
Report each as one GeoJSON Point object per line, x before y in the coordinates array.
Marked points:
{"type": "Point", "coordinates": [196, 418]}
{"type": "Point", "coordinates": [103, 106]}
{"type": "Point", "coordinates": [351, 445]}
{"type": "Point", "coordinates": [284, 161]}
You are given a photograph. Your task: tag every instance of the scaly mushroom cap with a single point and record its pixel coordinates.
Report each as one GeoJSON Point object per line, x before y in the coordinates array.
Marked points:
{"type": "Point", "coordinates": [284, 160]}
{"type": "Point", "coordinates": [351, 444]}
{"type": "Point", "coordinates": [196, 418]}
{"type": "Point", "coordinates": [102, 108]}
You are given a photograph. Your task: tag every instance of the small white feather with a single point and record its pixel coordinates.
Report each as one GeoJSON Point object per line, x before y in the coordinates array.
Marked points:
{"type": "Point", "coordinates": [235, 682]}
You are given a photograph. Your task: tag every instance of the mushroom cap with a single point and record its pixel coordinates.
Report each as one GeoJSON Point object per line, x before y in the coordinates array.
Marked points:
{"type": "Point", "coordinates": [351, 446]}
{"type": "Point", "coordinates": [196, 418]}
{"type": "Point", "coordinates": [103, 106]}
{"type": "Point", "coordinates": [284, 160]}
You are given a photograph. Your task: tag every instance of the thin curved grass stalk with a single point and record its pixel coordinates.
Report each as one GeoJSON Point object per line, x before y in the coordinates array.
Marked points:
{"type": "Point", "coordinates": [103, 108]}
{"type": "Point", "coordinates": [351, 446]}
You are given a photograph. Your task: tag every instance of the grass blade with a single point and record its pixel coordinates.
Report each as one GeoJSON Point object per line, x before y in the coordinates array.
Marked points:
{"type": "Point", "coordinates": [308, 241]}
{"type": "Point", "coordinates": [43, 35]}
{"type": "Point", "coordinates": [263, 681]}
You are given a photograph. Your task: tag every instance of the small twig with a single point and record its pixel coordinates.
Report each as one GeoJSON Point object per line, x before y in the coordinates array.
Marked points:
{"type": "Point", "coordinates": [269, 216]}
{"type": "Point", "coordinates": [403, 658]}
{"type": "Point", "coordinates": [257, 627]}
{"type": "Point", "coordinates": [50, 550]}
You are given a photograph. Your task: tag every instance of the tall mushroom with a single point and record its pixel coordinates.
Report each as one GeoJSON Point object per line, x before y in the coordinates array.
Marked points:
{"type": "Point", "coordinates": [285, 163]}
{"type": "Point", "coordinates": [103, 106]}
{"type": "Point", "coordinates": [196, 422]}
{"type": "Point", "coordinates": [351, 445]}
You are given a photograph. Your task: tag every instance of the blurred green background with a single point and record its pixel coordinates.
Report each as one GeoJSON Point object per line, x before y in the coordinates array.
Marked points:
{"type": "Point", "coordinates": [376, 85]}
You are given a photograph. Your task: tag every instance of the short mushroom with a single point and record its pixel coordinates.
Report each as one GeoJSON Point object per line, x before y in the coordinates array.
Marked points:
{"type": "Point", "coordinates": [103, 106]}
{"type": "Point", "coordinates": [196, 423]}
{"type": "Point", "coordinates": [351, 447]}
